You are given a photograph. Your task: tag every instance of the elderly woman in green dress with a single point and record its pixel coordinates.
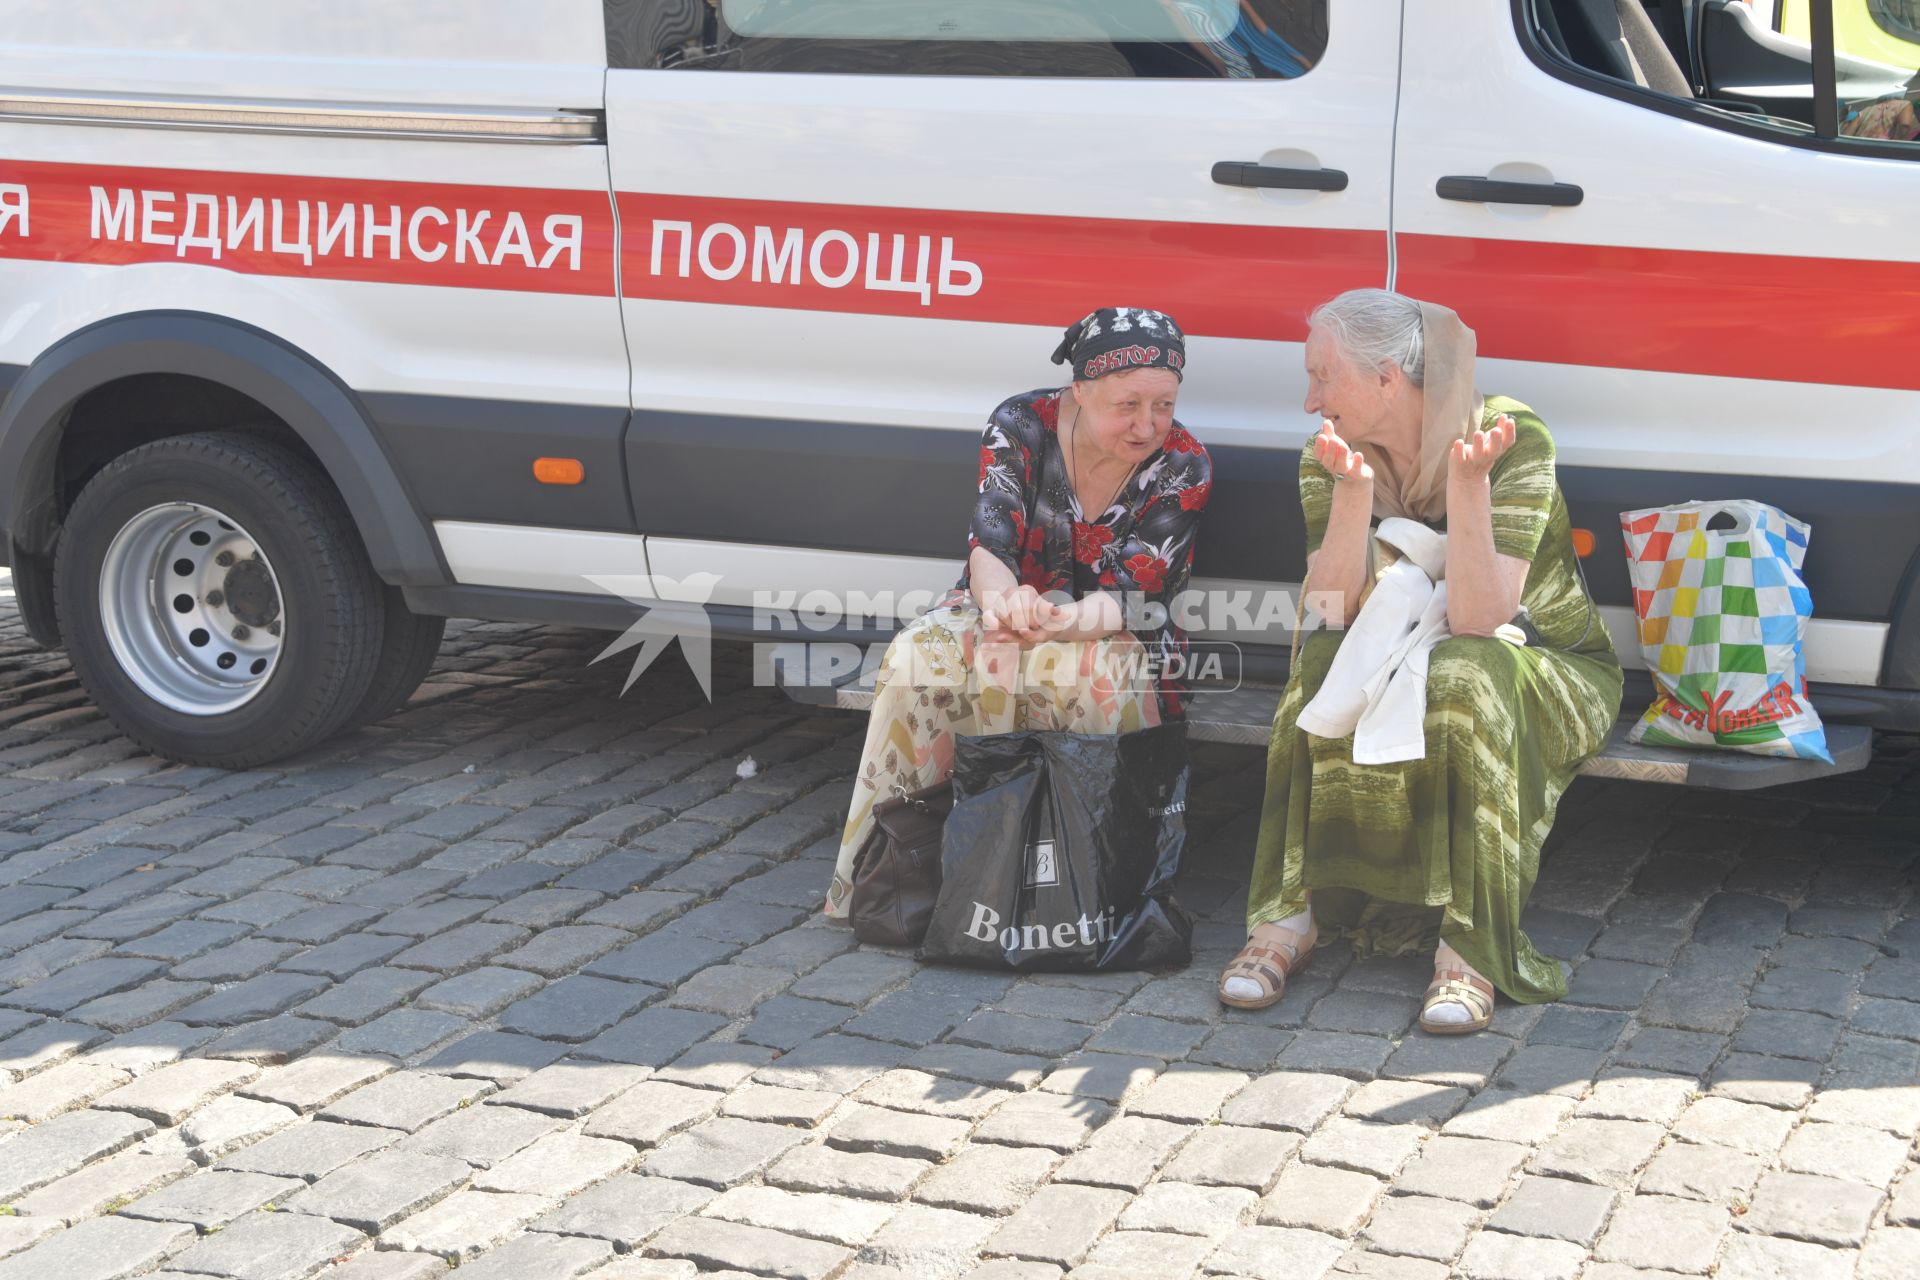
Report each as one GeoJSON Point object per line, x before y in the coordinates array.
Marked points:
{"type": "Point", "coordinates": [1438, 852]}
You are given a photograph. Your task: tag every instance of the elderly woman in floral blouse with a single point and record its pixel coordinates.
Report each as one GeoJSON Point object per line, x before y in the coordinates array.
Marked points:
{"type": "Point", "coordinates": [1090, 496]}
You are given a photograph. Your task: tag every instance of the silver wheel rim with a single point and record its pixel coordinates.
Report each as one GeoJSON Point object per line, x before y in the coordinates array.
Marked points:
{"type": "Point", "coordinates": [192, 608]}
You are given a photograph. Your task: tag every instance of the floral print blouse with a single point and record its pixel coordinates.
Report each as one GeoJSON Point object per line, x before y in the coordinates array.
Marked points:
{"type": "Point", "coordinates": [1028, 517]}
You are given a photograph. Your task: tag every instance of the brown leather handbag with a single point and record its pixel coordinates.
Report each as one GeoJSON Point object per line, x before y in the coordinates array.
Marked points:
{"type": "Point", "coordinates": [896, 875]}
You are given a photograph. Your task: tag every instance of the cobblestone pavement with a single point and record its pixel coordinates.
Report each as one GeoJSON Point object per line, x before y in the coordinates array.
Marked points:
{"type": "Point", "coordinates": [529, 979]}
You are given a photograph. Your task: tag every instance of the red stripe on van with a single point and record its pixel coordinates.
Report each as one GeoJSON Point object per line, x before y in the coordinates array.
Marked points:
{"type": "Point", "coordinates": [1841, 321]}
{"type": "Point", "coordinates": [1225, 280]}
{"type": "Point", "coordinates": [66, 222]}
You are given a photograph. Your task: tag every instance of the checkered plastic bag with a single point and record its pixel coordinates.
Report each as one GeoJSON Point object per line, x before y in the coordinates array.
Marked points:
{"type": "Point", "coordinates": [1723, 614]}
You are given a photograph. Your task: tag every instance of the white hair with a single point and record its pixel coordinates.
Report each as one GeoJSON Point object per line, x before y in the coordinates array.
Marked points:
{"type": "Point", "coordinates": [1374, 328]}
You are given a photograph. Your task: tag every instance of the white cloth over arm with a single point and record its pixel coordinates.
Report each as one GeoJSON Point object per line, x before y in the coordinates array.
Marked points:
{"type": "Point", "coordinates": [1376, 687]}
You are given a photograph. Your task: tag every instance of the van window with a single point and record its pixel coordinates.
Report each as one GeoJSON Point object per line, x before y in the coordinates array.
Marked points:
{"type": "Point", "coordinates": [1120, 39]}
{"type": "Point", "coordinates": [1750, 66]}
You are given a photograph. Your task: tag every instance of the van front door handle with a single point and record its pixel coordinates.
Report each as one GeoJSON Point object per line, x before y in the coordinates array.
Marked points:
{"type": "Point", "coordinates": [1245, 173]}
{"type": "Point", "coordinates": [1494, 191]}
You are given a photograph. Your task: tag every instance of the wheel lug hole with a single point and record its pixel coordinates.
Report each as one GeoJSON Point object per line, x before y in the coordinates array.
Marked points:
{"type": "Point", "coordinates": [183, 567]}
{"type": "Point", "coordinates": [183, 604]}
{"type": "Point", "coordinates": [225, 661]}
{"type": "Point", "coordinates": [198, 637]}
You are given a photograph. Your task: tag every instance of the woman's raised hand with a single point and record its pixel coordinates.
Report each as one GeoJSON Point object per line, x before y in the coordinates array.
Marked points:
{"type": "Point", "coordinates": [1345, 462]}
{"type": "Point", "coordinates": [1472, 458]}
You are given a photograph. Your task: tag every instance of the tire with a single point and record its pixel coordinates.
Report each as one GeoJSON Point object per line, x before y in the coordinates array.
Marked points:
{"type": "Point", "coordinates": [269, 640]}
{"type": "Point", "coordinates": [409, 642]}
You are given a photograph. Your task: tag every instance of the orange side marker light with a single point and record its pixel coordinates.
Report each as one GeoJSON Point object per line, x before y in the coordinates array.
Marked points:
{"type": "Point", "coordinates": [1583, 543]}
{"type": "Point", "coordinates": [558, 470]}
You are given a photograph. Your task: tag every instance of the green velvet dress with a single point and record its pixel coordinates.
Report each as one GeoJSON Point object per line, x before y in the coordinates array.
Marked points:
{"type": "Point", "coordinates": [1396, 856]}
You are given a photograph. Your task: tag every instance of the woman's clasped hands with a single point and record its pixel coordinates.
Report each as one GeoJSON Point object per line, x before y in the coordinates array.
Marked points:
{"type": "Point", "coordinates": [1023, 616]}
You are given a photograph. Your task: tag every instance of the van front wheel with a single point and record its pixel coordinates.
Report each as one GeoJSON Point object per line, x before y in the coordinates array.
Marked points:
{"type": "Point", "coordinates": [216, 601]}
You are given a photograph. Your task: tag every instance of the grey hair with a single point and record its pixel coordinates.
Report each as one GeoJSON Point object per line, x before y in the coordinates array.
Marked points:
{"type": "Point", "coordinates": [1374, 328]}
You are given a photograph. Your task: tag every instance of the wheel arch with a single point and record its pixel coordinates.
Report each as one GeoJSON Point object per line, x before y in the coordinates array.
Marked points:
{"type": "Point", "coordinates": [321, 411]}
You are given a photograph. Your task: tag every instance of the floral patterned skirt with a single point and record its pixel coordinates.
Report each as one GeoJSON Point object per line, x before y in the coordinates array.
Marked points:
{"type": "Point", "coordinates": [938, 680]}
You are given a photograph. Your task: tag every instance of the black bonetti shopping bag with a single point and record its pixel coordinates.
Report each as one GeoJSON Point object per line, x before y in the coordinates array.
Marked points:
{"type": "Point", "coordinates": [1061, 851]}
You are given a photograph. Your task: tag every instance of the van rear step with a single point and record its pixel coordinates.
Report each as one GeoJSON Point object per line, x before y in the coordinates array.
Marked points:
{"type": "Point", "coordinates": [1244, 716]}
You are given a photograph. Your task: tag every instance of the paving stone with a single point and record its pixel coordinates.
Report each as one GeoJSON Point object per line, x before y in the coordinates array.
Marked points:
{"type": "Point", "coordinates": [558, 1164]}
{"type": "Point", "coordinates": [1717, 1175]}
{"type": "Point", "coordinates": [1555, 1208]}
{"type": "Point", "coordinates": [714, 1244]}
{"type": "Point", "coordinates": [802, 1107]}
{"type": "Point", "coordinates": [650, 1112]}
{"type": "Point", "coordinates": [1613, 984]}
{"type": "Point", "coordinates": [1606, 1152]}
{"type": "Point", "coordinates": [366, 995]}
{"type": "Point", "coordinates": [466, 1223]}
{"type": "Point", "coordinates": [76, 985]}
{"type": "Point", "coordinates": [1058, 1224]}
{"type": "Point", "coordinates": [1275, 1253]}
{"type": "Point", "coordinates": [211, 1199]}
{"type": "Point", "coordinates": [402, 1033]}
{"type": "Point", "coordinates": [1287, 1100]}
{"type": "Point", "coordinates": [987, 1067]}
{"type": "Point", "coordinates": [1465, 1061]}
{"type": "Point", "coordinates": [269, 1246]}
{"type": "Point", "coordinates": [987, 1179]}
{"type": "Point", "coordinates": [183, 940]}
{"type": "Point", "coordinates": [314, 1082]}
{"type": "Point", "coordinates": [855, 978]}
{"type": "Point", "coordinates": [627, 1210]}
{"type": "Point", "coordinates": [169, 1095]}
{"type": "Point", "coordinates": [1872, 1082]}
{"type": "Point", "coordinates": [786, 1022]}
{"type": "Point", "coordinates": [716, 1064]}
{"type": "Point", "coordinates": [103, 1249]}
{"type": "Point", "coordinates": [570, 1089]}
{"type": "Point", "coordinates": [1126, 1254]}
{"type": "Point", "coordinates": [309, 1150]}
{"type": "Point", "coordinates": [272, 1040]}
{"type": "Point", "coordinates": [256, 998]}
{"type": "Point", "coordinates": [576, 1008]}
{"type": "Point", "coordinates": [720, 1152]}
{"type": "Point", "coordinates": [461, 948]}
{"type": "Point", "coordinates": [661, 959]}
{"type": "Point", "coordinates": [863, 1174]}
{"type": "Point", "coordinates": [1597, 1029]}
{"type": "Point", "coordinates": [1125, 1153]}
{"type": "Point", "coordinates": [1808, 989]}
{"type": "Point", "coordinates": [1327, 1201]}
{"type": "Point", "coordinates": [1243, 1048]}
{"type": "Point", "coordinates": [235, 962]}
{"type": "Point", "coordinates": [1891, 1253]}
{"type": "Point", "coordinates": [1802, 1206]}
{"type": "Point", "coordinates": [44, 1044]}
{"type": "Point", "coordinates": [557, 951]}
{"type": "Point", "coordinates": [1897, 1018]}
{"type": "Point", "coordinates": [63, 1088]}
{"type": "Point", "coordinates": [1745, 1126]}
{"type": "Point", "coordinates": [228, 1123]}
{"type": "Point", "coordinates": [407, 1100]}
{"type": "Point", "coordinates": [1851, 1152]}
{"type": "Point", "coordinates": [1376, 1149]}
{"type": "Point", "coordinates": [481, 1136]}
{"type": "Point", "coordinates": [1232, 1156]}
{"type": "Point", "coordinates": [1658, 1231]}
{"type": "Point", "coordinates": [549, 1257]}
{"type": "Point", "coordinates": [1420, 1227]}
{"type": "Point", "coordinates": [390, 1265]}
{"type": "Point", "coordinates": [1786, 1083]}
{"type": "Point", "coordinates": [1189, 1092]}
{"type": "Point", "coordinates": [837, 1219]}
{"type": "Point", "coordinates": [833, 1063]}
{"type": "Point", "coordinates": [86, 1192]}
{"type": "Point", "coordinates": [1047, 1120]}
{"type": "Point", "coordinates": [1472, 1170]}
{"type": "Point", "coordinates": [375, 1191]}
{"type": "Point", "coordinates": [861, 1127]}
{"type": "Point", "coordinates": [495, 1055]}
{"type": "Point", "coordinates": [1405, 1102]}
{"type": "Point", "coordinates": [1764, 1258]}
{"type": "Point", "coordinates": [1493, 1256]}
{"type": "Point", "coordinates": [346, 955]}
{"type": "Point", "coordinates": [1785, 1033]}
{"type": "Point", "coordinates": [653, 1037]}
{"type": "Point", "coordinates": [36, 1156]}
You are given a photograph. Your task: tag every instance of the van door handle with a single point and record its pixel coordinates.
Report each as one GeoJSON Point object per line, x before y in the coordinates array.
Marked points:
{"type": "Point", "coordinates": [1244, 173]}
{"type": "Point", "coordinates": [1494, 191]}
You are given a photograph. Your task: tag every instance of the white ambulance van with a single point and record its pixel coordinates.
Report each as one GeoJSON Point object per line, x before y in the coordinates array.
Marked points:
{"type": "Point", "coordinates": [322, 322]}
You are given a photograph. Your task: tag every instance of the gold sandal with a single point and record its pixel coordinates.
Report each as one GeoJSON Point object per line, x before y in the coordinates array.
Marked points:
{"type": "Point", "coordinates": [1269, 967]}
{"type": "Point", "coordinates": [1458, 986]}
